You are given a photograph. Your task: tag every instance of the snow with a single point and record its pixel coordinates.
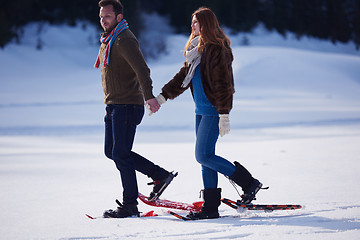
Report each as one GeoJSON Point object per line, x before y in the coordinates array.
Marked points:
{"type": "Point", "coordinates": [295, 126]}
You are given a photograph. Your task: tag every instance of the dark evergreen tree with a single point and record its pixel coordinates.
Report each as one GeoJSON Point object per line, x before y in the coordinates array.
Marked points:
{"type": "Point", "coordinates": [337, 20]}
{"type": "Point", "coordinates": [275, 15]}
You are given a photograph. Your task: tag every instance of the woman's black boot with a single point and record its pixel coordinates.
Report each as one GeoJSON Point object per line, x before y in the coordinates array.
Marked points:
{"type": "Point", "coordinates": [249, 185]}
{"type": "Point", "coordinates": [212, 202]}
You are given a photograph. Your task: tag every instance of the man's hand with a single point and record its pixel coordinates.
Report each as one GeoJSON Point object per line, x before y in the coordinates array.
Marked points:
{"type": "Point", "coordinates": [152, 105]}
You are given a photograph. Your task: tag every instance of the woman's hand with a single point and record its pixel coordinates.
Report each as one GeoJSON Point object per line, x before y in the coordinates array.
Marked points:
{"type": "Point", "coordinates": [224, 124]}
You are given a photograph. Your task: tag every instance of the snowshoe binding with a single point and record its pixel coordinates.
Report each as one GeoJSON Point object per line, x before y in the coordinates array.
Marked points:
{"type": "Point", "coordinates": [160, 186]}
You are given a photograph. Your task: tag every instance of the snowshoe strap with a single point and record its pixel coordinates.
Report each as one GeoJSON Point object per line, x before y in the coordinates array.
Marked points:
{"type": "Point", "coordinates": [119, 203]}
{"type": "Point", "coordinates": [155, 182]}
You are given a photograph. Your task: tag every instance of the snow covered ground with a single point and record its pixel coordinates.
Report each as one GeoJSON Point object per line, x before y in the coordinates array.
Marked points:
{"type": "Point", "coordinates": [295, 126]}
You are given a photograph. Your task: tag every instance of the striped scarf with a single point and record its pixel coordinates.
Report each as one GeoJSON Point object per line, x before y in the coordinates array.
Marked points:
{"type": "Point", "coordinates": [111, 37]}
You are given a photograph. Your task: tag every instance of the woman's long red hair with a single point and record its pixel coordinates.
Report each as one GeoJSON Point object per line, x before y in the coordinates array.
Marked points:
{"type": "Point", "coordinates": [210, 31]}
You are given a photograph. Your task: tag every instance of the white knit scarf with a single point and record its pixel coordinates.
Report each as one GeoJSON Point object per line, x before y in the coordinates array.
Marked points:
{"type": "Point", "coordinates": [192, 60]}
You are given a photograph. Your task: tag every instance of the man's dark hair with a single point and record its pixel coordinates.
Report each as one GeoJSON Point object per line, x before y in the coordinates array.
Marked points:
{"type": "Point", "coordinates": [118, 7]}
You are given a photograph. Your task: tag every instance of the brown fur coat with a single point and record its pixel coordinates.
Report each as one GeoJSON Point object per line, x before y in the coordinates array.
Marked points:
{"type": "Point", "coordinates": [216, 76]}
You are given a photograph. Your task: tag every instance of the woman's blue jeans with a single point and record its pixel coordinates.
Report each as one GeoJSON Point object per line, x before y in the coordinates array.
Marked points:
{"type": "Point", "coordinates": [207, 133]}
{"type": "Point", "coordinates": [120, 128]}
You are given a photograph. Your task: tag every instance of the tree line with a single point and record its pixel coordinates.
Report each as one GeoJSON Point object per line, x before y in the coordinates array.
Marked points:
{"type": "Point", "coordinates": [335, 20]}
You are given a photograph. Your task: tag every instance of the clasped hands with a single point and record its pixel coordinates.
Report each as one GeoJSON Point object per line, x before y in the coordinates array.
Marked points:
{"type": "Point", "coordinates": [153, 105]}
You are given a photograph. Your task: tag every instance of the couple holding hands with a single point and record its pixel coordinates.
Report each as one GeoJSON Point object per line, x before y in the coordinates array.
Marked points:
{"type": "Point", "coordinates": [126, 82]}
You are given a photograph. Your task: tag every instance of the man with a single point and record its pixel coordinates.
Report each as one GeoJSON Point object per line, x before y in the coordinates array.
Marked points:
{"type": "Point", "coordinates": [126, 83]}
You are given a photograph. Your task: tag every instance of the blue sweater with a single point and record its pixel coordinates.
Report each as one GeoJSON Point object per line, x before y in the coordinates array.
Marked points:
{"type": "Point", "coordinates": [202, 104]}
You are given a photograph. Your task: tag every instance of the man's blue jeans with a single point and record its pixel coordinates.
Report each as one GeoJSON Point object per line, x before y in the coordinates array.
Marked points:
{"type": "Point", "coordinates": [120, 128]}
{"type": "Point", "coordinates": [207, 133]}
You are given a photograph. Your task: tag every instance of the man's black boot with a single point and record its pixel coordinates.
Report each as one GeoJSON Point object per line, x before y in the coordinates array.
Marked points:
{"type": "Point", "coordinates": [124, 210]}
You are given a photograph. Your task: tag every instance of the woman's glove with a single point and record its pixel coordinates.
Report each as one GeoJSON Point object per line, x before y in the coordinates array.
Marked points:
{"type": "Point", "coordinates": [224, 124]}
{"type": "Point", "coordinates": [161, 99]}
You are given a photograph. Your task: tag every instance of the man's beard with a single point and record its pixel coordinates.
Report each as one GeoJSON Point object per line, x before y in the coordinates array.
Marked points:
{"type": "Point", "coordinates": [111, 27]}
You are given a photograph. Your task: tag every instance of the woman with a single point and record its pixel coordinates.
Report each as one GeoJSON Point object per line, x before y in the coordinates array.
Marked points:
{"type": "Point", "coordinates": [208, 73]}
